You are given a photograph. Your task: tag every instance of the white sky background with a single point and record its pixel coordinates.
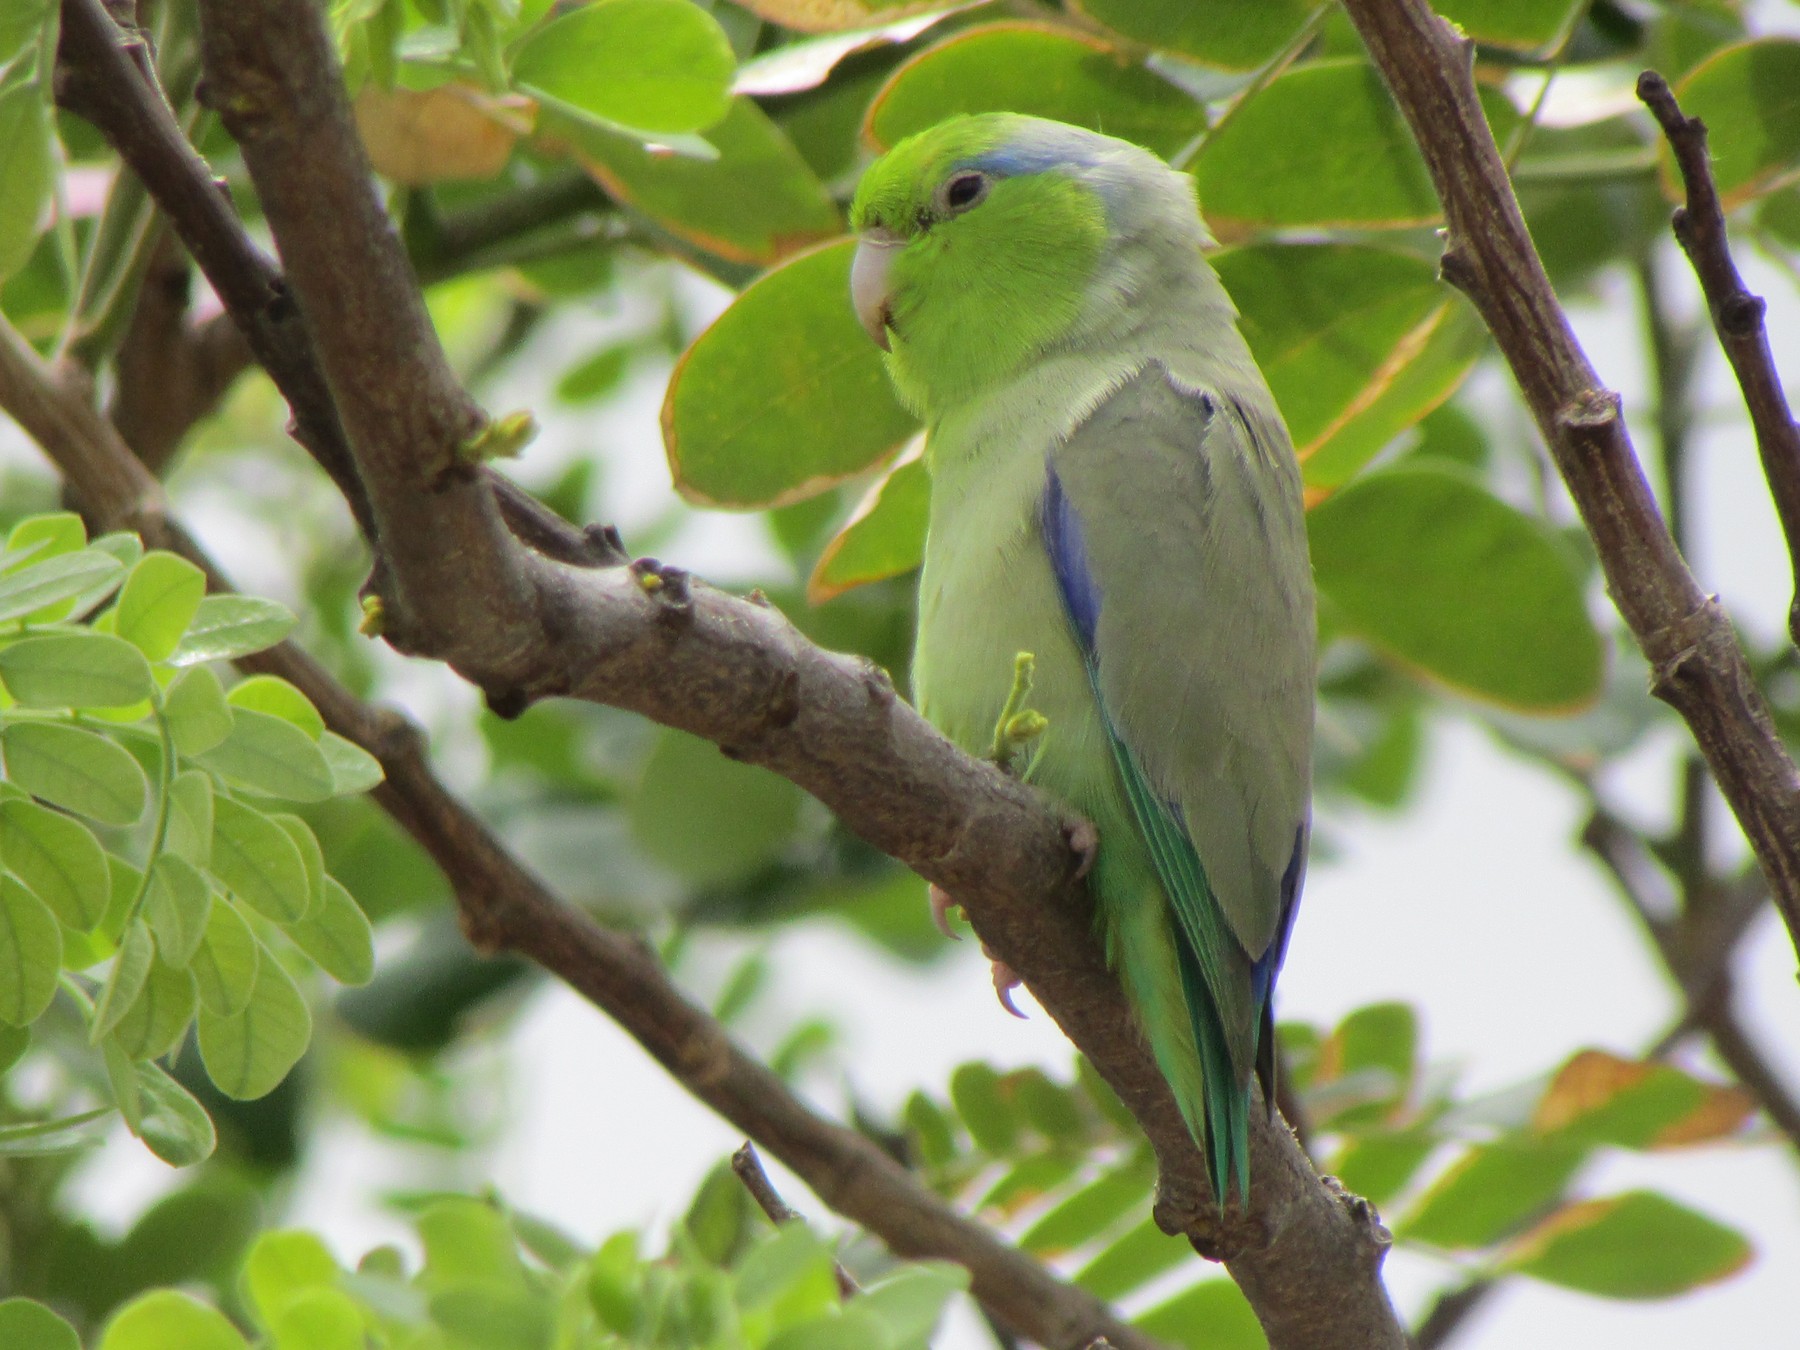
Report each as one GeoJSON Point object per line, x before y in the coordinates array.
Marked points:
{"type": "Point", "coordinates": [1476, 905]}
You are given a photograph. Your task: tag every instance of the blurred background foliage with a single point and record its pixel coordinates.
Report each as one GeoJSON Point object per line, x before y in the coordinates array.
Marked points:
{"type": "Point", "coordinates": [631, 202]}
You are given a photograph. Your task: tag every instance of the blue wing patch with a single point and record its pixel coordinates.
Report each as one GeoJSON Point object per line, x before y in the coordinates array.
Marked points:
{"type": "Point", "coordinates": [1069, 560]}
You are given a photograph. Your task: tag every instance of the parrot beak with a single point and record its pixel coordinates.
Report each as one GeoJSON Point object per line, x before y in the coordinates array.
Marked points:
{"type": "Point", "coordinates": [875, 253]}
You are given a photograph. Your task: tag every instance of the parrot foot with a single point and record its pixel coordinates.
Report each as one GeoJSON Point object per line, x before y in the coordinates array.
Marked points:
{"type": "Point", "coordinates": [1084, 843]}
{"type": "Point", "coordinates": [941, 904]}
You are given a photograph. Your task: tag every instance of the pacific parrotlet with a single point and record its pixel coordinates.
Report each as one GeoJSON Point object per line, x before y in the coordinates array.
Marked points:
{"type": "Point", "coordinates": [1113, 491]}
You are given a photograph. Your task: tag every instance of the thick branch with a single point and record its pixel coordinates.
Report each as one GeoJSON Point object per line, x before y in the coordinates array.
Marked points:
{"type": "Point", "coordinates": [503, 905]}
{"type": "Point", "coordinates": [1737, 315]}
{"type": "Point", "coordinates": [1307, 1255]}
{"type": "Point", "coordinates": [1695, 661]}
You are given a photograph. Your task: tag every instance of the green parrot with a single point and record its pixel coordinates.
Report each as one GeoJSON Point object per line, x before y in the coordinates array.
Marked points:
{"type": "Point", "coordinates": [1113, 491]}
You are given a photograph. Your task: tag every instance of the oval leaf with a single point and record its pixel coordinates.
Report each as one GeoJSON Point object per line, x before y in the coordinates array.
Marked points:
{"type": "Point", "coordinates": [1636, 1245]}
{"type": "Point", "coordinates": [158, 602]}
{"type": "Point", "coordinates": [1490, 1191]}
{"type": "Point", "coordinates": [830, 16]}
{"type": "Point", "coordinates": [177, 906]}
{"type": "Point", "coordinates": [248, 1053]}
{"type": "Point", "coordinates": [783, 395]}
{"type": "Point", "coordinates": [885, 535]}
{"type": "Point", "coordinates": [338, 937]}
{"type": "Point", "coordinates": [158, 1017]}
{"type": "Point", "coordinates": [1434, 570]}
{"type": "Point", "coordinates": [1035, 69]}
{"type": "Point", "coordinates": [76, 670]}
{"type": "Point", "coordinates": [257, 860]}
{"type": "Point", "coordinates": [1232, 34]}
{"type": "Point", "coordinates": [167, 1320]}
{"type": "Point", "coordinates": [649, 65]}
{"type": "Point", "coordinates": [172, 1124]}
{"type": "Point", "coordinates": [229, 626]}
{"type": "Point", "coordinates": [25, 1325]}
{"type": "Point", "coordinates": [225, 965]}
{"type": "Point", "coordinates": [353, 769]}
{"type": "Point", "coordinates": [1749, 98]}
{"type": "Point", "coordinates": [756, 203]}
{"type": "Point", "coordinates": [271, 755]}
{"type": "Point", "coordinates": [76, 769]}
{"type": "Point", "coordinates": [59, 859]}
{"type": "Point", "coordinates": [30, 954]}
{"type": "Point", "coordinates": [277, 697]}
{"type": "Point", "coordinates": [37, 591]}
{"type": "Point", "coordinates": [130, 971]}
{"type": "Point", "coordinates": [195, 711]}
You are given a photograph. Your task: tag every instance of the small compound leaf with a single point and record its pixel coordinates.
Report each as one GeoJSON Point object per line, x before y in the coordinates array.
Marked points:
{"type": "Point", "coordinates": [25, 1325]}
{"type": "Point", "coordinates": [30, 954]}
{"type": "Point", "coordinates": [273, 695]}
{"type": "Point", "coordinates": [58, 858]}
{"type": "Point", "coordinates": [32, 592]}
{"type": "Point", "coordinates": [167, 1320]}
{"type": "Point", "coordinates": [353, 769]}
{"type": "Point", "coordinates": [177, 906]}
{"type": "Point", "coordinates": [229, 626]}
{"type": "Point", "coordinates": [194, 708]}
{"type": "Point", "coordinates": [259, 862]}
{"type": "Point", "coordinates": [248, 1053]}
{"type": "Point", "coordinates": [76, 670]}
{"type": "Point", "coordinates": [158, 1017]}
{"type": "Point", "coordinates": [173, 1125]}
{"type": "Point", "coordinates": [158, 603]}
{"type": "Point", "coordinates": [225, 965]}
{"type": "Point", "coordinates": [191, 817]}
{"type": "Point", "coordinates": [271, 755]}
{"type": "Point", "coordinates": [76, 769]}
{"type": "Point", "coordinates": [338, 937]}
{"type": "Point", "coordinates": [126, 980]}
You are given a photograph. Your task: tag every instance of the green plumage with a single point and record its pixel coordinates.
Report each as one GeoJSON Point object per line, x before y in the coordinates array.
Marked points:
{"type": "Point", "coordinates": [1065, 329]}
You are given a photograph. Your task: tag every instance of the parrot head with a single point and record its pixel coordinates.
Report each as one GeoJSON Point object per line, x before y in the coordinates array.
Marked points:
{"type": "Point", "coordinates": [982, 240]}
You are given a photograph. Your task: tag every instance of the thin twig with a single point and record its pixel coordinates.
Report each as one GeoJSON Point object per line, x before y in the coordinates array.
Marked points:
{"type": "Point", "coordinates": [1696, 664]}
{"type": "Point", "coordinates": [749, 1169]}
{"type": "Point", "coordinates": [1737, 315]}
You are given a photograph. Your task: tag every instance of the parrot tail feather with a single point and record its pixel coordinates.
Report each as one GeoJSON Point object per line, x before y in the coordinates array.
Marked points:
{"type": "Point", "coordinates": [1223, 1127]}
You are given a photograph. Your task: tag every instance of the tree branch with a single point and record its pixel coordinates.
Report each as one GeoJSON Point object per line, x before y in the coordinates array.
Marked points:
{"type": "Point", "coordinates": [648, 639]}
{"type": "Point", "coordinates": [1737, 315]}
{"type": "Point", "coordinates": [503, 906]}
{"type": "Point", "coordinates": [1695, 662]}
{"type": "Point", "coordinates": [749, 1170]}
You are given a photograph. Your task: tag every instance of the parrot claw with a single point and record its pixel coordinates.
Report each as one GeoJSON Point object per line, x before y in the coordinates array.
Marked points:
{"type": "Point", "coordinates": [1084, 843]}
{"type": "Point", "coordinates": [941, 903]}
{"type": "Point", "coordinates": [1006, 979]}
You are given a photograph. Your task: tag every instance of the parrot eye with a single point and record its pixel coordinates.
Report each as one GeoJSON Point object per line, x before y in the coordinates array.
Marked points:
{"type": "Point", "coordinates": [962, 191]}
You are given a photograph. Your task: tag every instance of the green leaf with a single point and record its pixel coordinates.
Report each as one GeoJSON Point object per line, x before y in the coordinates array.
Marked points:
{"type": "Point", "coordinates": [25, 1325]}
{"type": "Point", "coordinates": [789, 1276]}
{"type": "Point", "coordinates": [311, 856]}
{"type": "Point", "coordinates": [76, 670]}
{"type": "Point", "coordinates": [1212, 1315]}
{"type": "Point", "coordinates": [27, 167]}
{"type": "Point", "coordinates": [158, 1017]}
{"type": "Point", "coordinates": [1035, 69]}
{"type": "Point", "coordinates": [76, 769]}
{"type": "Point", "coordinates": [167, 1320]}
{"type": "Point", "coordinates": [494, 1319]}
{"type": "Point", "coordinates": [707, 818]}
{"type": "Point", "coordinates": [990, 1117]}
{"type": "Point", "coordinates": [191, 817]}
{"type": "Point", "coordinates": [173, 1125]}
{"type": "Point", "coordinates": [271, 755]}
{"type": "Point", "coordinates": [14, 1042]}
{"type": "Point", "coordinates": [1636, 1245]}
{"type": "Point", "coordinates": [884, 537]}
{"type": "Point", "coordinates": [1232, 34]}
{"type": "Point", "coordinates": [1430, 568]}
{"type": "Point", "coordinates": [40, 592]}
{"type": "Point", "coordinates": [229, 626]}
{"type": "Point", "coordinates": [338, 937]}
{"type": "Point", "coordinates": [353, 769]}
{"type": "Point", "coordinates": [653, 66]}
{"type": "Point", "coordinates": [1491, 1191]}
{"type": "Point", "coordinates": [783, 395]}
{"type": "Point", "coordinates": [194, 708]}
{"type": "Point", "coordinates": [1266, 167]}
{"type": "Point", "coordinates": [30, 954]}
{"type": "Point", "coordinates": [285, 1265]}
{"type": "Point", "coordinates": [225, 965]}
{"type": "Point", "coordinates": [1749, 98]}
{"type": "Point", "coordinates": [322, 1319]}
{"type": "Point", "coordinates": [910, 1302]}
{"type": "Point", "coordinates": [1137, 1258]}
{"type": "Point", "coordinates": [1357, 344]}
{"type": "Point", "coordinates": [1093, 1209]}
{"type": "Point", "coordinates": [259, 862]}
{"type": "Point", "coordinates": [130, 972]}
{"type": "Point", "coordinates": [63, 1135]}
{"type": "Point", "coordinates": [278, 698]}
{"type": "Point", "coordinates": [468, 1241]}
{"type": "Point", "coordinates": [1378, 1166]}
{"type": "Point", "coordinates": [1598, 1098]}
{"type": "Point", "coordinates": [158, 602]}
{"type": "Point", "coordinates": [177, 907]}
{"type": "Point", "coordinates": [248, 1053]}
{"type": "Point", "coordinates": [757, 202]}
{"type": "Point", "coordinates": [1523, 25]}
{"type": "Point", "coordinates": [58, 858]}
